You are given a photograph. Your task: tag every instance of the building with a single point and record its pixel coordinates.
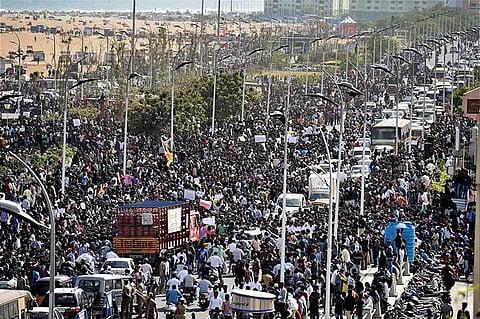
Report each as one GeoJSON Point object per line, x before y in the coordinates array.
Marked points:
{"type": "Point", "coordinates": [322, 8]}
{"type": "Point", "coordinates": [371, 10]}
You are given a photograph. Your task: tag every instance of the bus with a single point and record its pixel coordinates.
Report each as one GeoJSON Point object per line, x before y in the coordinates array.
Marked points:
{"type": "Point", "coordinates": [383, 133]}
{"type": "Point", "coordinates": [14, 304]}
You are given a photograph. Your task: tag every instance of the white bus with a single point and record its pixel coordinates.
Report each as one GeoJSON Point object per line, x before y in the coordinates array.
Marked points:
{"type": "Point", "coordinates": [383, 133]}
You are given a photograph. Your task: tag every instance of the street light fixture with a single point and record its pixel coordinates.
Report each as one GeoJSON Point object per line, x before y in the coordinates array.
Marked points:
{"type": "Point", "coordinates": [308, 61]}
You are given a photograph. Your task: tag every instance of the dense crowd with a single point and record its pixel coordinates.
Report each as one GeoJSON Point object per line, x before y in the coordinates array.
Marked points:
{"type": "Point", "coordinates": [243, 180]}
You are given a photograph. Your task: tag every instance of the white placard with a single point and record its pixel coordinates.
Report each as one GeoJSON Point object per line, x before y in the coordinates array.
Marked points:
{"type": "Point", "coordinates": [189, 194]}
{"type": "Point", "coordinates": [293, 139]}
{"type": "Point", "coordinates": [174, 220]}
{"type": "Point", "coordinates": [260, 138]}
{"type": "Point", "coordinates": [26, 114]}
{"type": "Point", "coordinates": [76, 122]}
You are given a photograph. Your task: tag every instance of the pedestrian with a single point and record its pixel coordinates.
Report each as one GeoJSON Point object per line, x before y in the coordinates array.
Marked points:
{"type": "Point", "coordinates": [149, 307]}
{"type": "Point", "coordinates": [463, 313]}
{"type": "Point", "coordinates": [339, 302]}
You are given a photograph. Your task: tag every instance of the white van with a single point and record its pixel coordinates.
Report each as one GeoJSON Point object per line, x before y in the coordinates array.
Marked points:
{"type": "Point", "coordinates": [98, 284]}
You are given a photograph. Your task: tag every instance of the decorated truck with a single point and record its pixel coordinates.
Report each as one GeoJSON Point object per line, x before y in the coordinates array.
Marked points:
{"type": "Point", "coordinates": [143, 229]}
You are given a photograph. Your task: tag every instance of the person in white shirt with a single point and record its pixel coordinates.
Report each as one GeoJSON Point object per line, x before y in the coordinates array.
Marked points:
{"type": "Point", "coordinates": [173, 282]}
{"type": "Point", "coordinates": [367, 306]}
{"type": "Point", "coordinates": [255, 286]}
{"type": "Point", "coordinates": [146, 269]}
{"type": "Point", "coordinates": [182, 274]}
{"type": "Point", "coordinates": [215, 261]}
{"type": "Point", "coordinates": [215, 303]}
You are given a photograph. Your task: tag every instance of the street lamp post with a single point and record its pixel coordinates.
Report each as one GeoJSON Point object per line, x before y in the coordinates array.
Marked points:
{"type": "Point", "coordinates": [415, 51]}
{"type": "Point", "coordinates": [65, 111]}
{"type": "Point", "coordinates": [330, 215]}
{"type": "Point", "coordinates": [172, 109]}
{"type": "Point", "coordinates": [214, 65]}
{"type": "Point", "coordinates": [127, 89]}
{"type": "Point", "coordinates": [51, 298]}
{"type": "Point", "coordinates": [19, 70]}
{"type": "Point", "coordinates": [269, 90]}
{"type": "Point", "coordinates": [308, 60]}
{"type": "Point", "coordinates": [245, 78]}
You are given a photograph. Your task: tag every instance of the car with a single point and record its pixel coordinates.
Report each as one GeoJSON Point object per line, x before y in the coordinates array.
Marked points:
{"type": "Point", "coordinates": [119, 265]}
{"type": "Point", "coordinates": [42, 313]}
{"type": "Point", "coordinates": [69, 301]}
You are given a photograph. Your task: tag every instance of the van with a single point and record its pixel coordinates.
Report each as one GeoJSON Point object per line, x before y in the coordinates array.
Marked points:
{"type": "Point", "coordinates": [98, 284]}
{"type": "Point", "coordinates": [42, 285]}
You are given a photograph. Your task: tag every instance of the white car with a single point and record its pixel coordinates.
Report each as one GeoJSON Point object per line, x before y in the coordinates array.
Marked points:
{"type": "Point", "coordinates": [119, 265]}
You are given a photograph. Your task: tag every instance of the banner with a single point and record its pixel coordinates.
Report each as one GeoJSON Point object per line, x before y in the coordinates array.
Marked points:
{"type": "Point", "coordinates": [174, 220]}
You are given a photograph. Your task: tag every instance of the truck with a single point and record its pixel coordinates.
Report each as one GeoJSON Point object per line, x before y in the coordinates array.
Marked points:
{"type": "Point", "coordinates": [143, 229]}
{"type": "Point", "coordinates": [319, 190]}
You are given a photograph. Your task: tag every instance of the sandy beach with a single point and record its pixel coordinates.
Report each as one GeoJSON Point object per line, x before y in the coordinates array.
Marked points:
{"type": "Point", "coordinates": [17, 26]}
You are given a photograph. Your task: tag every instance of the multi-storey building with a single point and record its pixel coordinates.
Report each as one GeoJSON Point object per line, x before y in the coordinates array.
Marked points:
{"type": "Point", "coordinates": [371, 10]}
{"type": "Point", "coordinates": [323, 8]}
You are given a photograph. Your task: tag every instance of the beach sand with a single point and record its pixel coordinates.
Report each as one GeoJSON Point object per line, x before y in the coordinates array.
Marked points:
{"type": "Point", "coordinates": [76, 24]}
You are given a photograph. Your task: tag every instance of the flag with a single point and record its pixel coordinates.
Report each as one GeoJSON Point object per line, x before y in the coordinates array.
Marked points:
{"type": "Point", "coordinates": [205, 204]}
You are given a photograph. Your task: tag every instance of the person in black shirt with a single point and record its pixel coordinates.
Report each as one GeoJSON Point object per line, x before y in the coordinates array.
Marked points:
{"type": "Point", "coordinates": [314, 301]}
{"type": "Point", "coordinates": [339, 305]}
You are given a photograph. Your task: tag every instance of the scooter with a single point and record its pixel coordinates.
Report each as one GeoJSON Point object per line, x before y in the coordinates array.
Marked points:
{"type": "Point", "coordinates": [189, 294]}
{"type": "Point", "coordinates": [203, 301]}
{"type": "Point", "coordinates": [170, 311]}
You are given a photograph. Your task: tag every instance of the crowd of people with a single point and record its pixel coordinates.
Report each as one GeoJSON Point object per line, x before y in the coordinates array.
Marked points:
{"type": "Point", "coordinates": [243, 180]}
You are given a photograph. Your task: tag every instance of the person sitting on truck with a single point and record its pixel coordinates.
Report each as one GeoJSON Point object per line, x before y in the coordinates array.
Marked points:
{"type": "Point", "coordinates": [174, 295]}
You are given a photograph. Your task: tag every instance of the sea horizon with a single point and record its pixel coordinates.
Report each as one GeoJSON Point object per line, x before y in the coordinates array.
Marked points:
{"type": "Point", "coordinates": [156, 6]}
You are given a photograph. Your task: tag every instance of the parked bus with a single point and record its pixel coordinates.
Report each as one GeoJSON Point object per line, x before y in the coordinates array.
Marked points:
{"type": "Point", "coordinates": [383, 133]}
{"type": "Point", "coordinates": [14, 304]}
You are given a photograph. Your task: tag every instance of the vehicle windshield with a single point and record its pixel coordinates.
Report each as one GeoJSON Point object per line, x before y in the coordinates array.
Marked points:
{"type": "Point", "coordinates": [293, 202]}
{"type": "Point", "coordinates": [320, 195]}
{"type": "Point", "coordinates": [89, 285]}
{"type": "Point", "coordinates": [384, 133]}
{"type": "Point", "coordinates": [117, 263]}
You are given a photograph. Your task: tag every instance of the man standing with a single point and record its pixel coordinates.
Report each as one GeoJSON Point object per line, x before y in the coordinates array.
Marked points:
{"type": "Point", "coordinates": [150, 307]}
{"type": "Point", "coordinates": [127, 297]}
{"type": "Point", "coordinates": [164, 272]}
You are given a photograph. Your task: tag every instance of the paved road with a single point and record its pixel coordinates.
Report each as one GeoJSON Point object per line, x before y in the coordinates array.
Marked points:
{"type": "Point", "coordinates": [460, 292]}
